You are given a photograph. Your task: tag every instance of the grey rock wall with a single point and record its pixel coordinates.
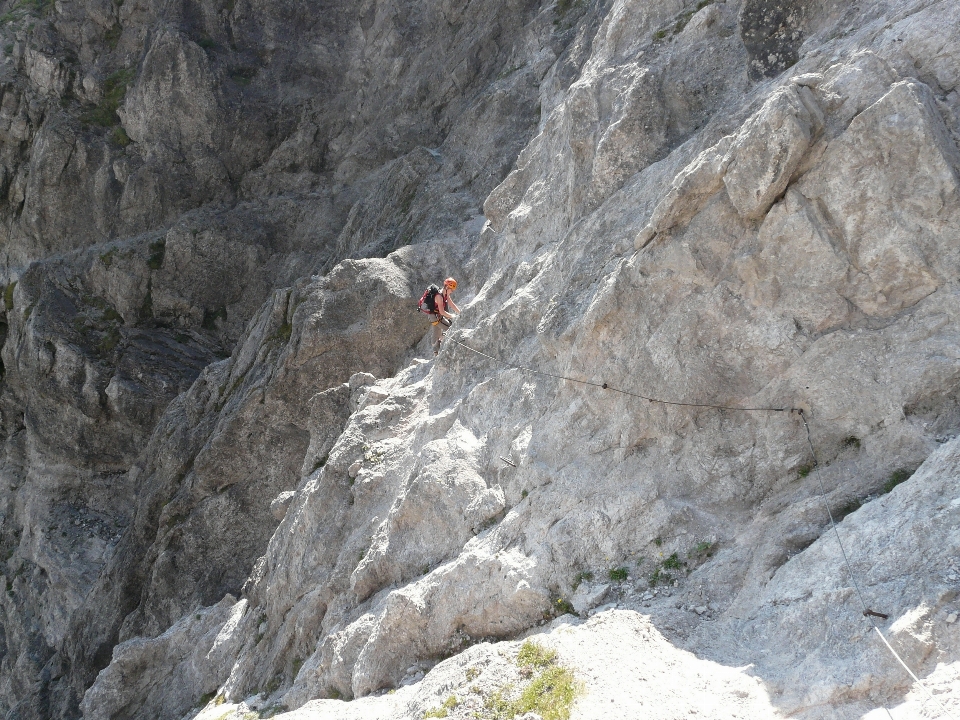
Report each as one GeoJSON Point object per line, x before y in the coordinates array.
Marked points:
{"type": "Point", "coordinates": [233, 481]}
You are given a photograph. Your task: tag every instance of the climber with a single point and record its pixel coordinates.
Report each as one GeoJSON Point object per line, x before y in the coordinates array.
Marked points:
{"type": "Point", "coordinates": [437, 304]}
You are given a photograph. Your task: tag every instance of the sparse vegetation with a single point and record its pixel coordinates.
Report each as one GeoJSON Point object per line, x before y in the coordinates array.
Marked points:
{"type": "Point", "coordinates": [158, 249]}
{"type": "Point", "coordinates": [673, 563]}
{"type": "Point", "coordinates": [444, 710]}
{"type": "Point", "coordinates": [111, 338]}
{"type": "Point", "coordinates": [8, 296]}
{"type": "Point", "coordinates": [665, 571]}
{"type": "Point", "coordinates": [804, 470]}
{"type": "Point", "coordinates": [121, 138]}
{"type": "Point", "coordinates": [847, 508]}
{"type": "Point", "coordinates": [283, 332]}
{"type": "Point", "coordinates": [618, 574]}
{"type": "Point", "coordinates": [562, 606]}
{"type": "Point", "coordinates": [681, 22]}
{"type": "Point", "coordinates": [271, 711]}
{"type": "Point", "coordinates": [895, 479]}
{"type": "Point", "coordinates": [550, 693]}
{"type": "Point", "coordinates": [175, 520]}
{"type": "Point", "coordinates": [535, 655]}
{"type": "Point", "coordinates": [107, 257]}
{"type": "Point", "coordinates": [210, 318]}
{"type": "Point", "coordinates": [851, 441]}
{"type": "Point", "coordinates": [114, 91]}
{"type": "Point", "coordinates": [243, 76]}
{"type": "Point", "coordinates": [702, 550]}
{"type": "Point", "coordinates": [507, 72]}
{"type": "Point", "coordinates": [581, 576]}
{"type": "Point", "coordinates": [565, 6]}
{"type": "Point", "coordinates": [112, 36]}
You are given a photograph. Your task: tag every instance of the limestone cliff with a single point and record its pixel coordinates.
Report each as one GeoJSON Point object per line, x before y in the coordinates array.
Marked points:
{"type": "Point", "coordinates": [235, 481]}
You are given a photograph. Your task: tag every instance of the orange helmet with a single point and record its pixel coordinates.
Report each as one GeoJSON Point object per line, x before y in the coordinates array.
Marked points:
{"type": "Point", "coordinates": [450, 283]}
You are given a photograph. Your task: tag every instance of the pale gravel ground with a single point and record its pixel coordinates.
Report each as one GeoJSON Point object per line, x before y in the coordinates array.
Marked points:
{"type": "Point", "coordinates": [625, 666]}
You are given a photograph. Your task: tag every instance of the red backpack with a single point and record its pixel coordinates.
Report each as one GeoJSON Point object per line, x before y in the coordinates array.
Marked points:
{"type": "Point", "coordinates": [428, 303]}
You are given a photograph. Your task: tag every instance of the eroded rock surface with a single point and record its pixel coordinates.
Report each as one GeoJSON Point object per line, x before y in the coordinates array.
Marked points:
{"type": "Point", "coordinates": [743, 210]}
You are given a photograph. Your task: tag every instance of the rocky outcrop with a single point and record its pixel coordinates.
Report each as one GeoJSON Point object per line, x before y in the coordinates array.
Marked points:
{"type": "Point", "coordinates": [718, 213]}
{"type": "Point", "coordinates": [165, 171]}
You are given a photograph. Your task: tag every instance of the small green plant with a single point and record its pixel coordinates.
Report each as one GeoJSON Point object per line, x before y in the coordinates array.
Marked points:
{"type": "Point", "coordinates": [851, 441]}
{"type": "Point", "coordinates": [112, 36]}
{"type": "Point", "coordinates": [804, 470]}
{"type": "Point", "coordinates": [110, 340]}
{"type": "Point", "coordinates": [581, 576]}
{"type": "Point", "coordinates": [565, 6]}
{"type": "Point", "coordinates": [319, 463]}
{"type": "Point", "coordinates": [702, 549]}
{"type": "Point", "coordinates": [114, 91]}
{"type": "Point", "coordinates": [8, 295]}
{"type": "Point", "coordinates": [272, 686]}
{"type": "Point", "coordinates": [658, 541]}
{"type": "Point", "coordinates": [472, 674]}
{"type": "Point", "coordinates": [659, 34]}
{"type": "Point", "coordinates": [111, 315]}
{"type": "Point", "coordinates": [682, 22]}
{"type": "Point", "coordinates": [158, 250]}
{"type": "Point", "coordinates": [896, 478]}
{"type": "Point", "coordinates": [210, 318]}
{"type": "Point", "coordinates": [673, 563]}
{"type": "Point", "coordinates": [444, 710]}
{"type": "Point", "coordinates": [534, 655]}
{"type": "Point", "coordinates": [334, 694]}
{"type": "Point", "coordinates": [107, 257]}
{"type": "Point", "coordinates": [618, 574]}
{"type": "Point", "coordinates": [283, 332]}
{"type": "Point", "coordinates": [523, 494]}
{"type": "Point", "coordinates": [297, 664]}
{"type": "Point", "coordinates": [243, 76]}
{"type": "Point", "coordinates": [207, 43]}
{"type": "Point", "coordinates": [550, 695]}
{"type": "Point", "coordinates": [507, 72]}
{"type": "Point", "coordinates": [120, 137]}
{"type": "Point", "coordinates": [175, 520]}
{"type": "Point", "coordinates": [847, 508]}
{"type": "Point", "coordinates": [562, 606]}
{"type": "Point", "coordinates": [146, 308]}
{"type": "Point", "coordinates": [206, 698]}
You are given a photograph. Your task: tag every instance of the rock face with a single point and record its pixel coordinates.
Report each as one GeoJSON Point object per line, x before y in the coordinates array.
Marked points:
{"type": "Point", "coordinates": [230, 483]}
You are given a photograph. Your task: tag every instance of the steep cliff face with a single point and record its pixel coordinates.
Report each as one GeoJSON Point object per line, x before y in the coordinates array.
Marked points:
{"type": "Point", "coordinates": [729, 204]}
{"type": "Point", "coordinates": [165, 171]}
